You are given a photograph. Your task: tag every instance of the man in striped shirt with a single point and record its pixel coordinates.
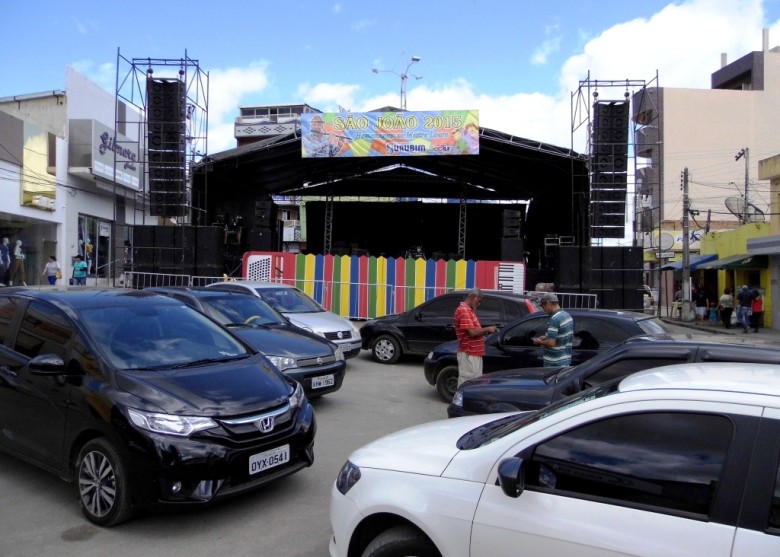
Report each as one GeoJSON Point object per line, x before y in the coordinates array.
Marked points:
{"type": "Point", "coordinates": [471, 337]}
{"type": "Point", "coordinates": [560, 333]}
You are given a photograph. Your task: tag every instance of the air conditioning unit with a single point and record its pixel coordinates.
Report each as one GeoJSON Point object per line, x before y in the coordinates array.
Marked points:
{"type": "Point", "coordinates": [43, 202]}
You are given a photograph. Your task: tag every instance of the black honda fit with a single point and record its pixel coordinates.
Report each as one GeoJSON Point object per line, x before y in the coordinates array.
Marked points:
{"type": "Point", "coordinates": [142, 401]}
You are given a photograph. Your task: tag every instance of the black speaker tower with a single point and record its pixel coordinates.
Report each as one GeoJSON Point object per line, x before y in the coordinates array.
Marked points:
{"type": "Point", "coordinates": [166, 113]}
{"type": "Point", "coordinates": [609, 167]}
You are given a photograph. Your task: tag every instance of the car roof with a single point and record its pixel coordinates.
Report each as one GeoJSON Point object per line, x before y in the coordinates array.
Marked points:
{"type": "Point", "coordinates": [582, 312]}
{"type": "Point", "coordinates": [700, 339]}
{"type": "Point", "coordinates": [748, 378]}
{"type": "Point", "coordinates": [89, 297]}
{"type": "Point", "coordinates": [196, 291]}
{"type": "Point", "coordinates": [255, 284]}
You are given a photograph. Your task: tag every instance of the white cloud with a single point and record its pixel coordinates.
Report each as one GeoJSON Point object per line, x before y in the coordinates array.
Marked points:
{"type": "Point", "coordinates": [682, 42]}
{"type": "Point", "coordinates": [327, 96]}
{"type": "Point", "coordinates": [553, 44]}
{"type": "Point", "coordinates": [338, 7]}
{"type": "Point", "coordinates": [227, 88]}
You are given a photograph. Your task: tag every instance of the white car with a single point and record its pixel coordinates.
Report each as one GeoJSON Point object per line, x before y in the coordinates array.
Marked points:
{"type": "Point", "coordinates": [302, 311]}
{"type": "Point", "coordinates": [674, 461]}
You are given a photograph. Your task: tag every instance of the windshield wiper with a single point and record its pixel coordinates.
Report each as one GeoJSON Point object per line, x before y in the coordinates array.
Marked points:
{"type": "Point", "coordinates": [204, 361]}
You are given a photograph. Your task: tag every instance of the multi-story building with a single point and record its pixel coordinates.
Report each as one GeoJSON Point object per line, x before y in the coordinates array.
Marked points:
{"type": "Point", "coordinates": [256, 123]}
{"type": "Point", "coordinates": [718, 135]}
{"type": "Point", "coordinates": [71, 179]}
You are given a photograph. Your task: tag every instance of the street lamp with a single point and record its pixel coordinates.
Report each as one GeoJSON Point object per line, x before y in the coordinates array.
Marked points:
{"type": "Point", "coordinates": [404, 76]}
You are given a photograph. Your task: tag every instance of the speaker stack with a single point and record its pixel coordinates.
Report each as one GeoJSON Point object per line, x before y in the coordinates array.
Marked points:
{"type": "Point", "coordinates": [609, 169]}
{"type": "Point", "coordinates": [166, 112]}
{"type": "Point", "coordinates": [512, 247]}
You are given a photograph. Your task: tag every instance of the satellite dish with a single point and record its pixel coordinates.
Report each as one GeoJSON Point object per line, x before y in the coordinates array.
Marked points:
{"type": "Point", "coordinates": [736, 206]}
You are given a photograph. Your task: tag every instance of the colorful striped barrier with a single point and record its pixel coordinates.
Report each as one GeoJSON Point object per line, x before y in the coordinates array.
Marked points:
{"type": "Point", "coordinates": [362, 287]}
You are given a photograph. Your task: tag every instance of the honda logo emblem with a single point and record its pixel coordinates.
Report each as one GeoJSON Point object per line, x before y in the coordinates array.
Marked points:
{"type": "Point", "coordinates": [265, 424]}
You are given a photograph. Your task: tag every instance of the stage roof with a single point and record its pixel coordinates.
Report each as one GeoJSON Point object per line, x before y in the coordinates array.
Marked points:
{"type": "Point", "coordinates": [507, 168]}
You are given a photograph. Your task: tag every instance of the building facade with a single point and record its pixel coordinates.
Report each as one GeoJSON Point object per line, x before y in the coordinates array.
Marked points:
{"type": "Point", "coordinates": [73, 179]}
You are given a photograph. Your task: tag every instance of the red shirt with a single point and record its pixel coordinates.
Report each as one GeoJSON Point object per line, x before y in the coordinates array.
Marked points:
{"type": "Point", "coordinates": [465, 319]}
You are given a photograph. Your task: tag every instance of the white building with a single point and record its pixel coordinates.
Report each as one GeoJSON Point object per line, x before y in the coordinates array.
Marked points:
{"type": "Point", "coordinates": [71, 184]}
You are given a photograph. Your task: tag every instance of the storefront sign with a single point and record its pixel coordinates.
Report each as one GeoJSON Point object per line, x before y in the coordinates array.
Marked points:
{"type": "Point", "coordinates": [115, 157]}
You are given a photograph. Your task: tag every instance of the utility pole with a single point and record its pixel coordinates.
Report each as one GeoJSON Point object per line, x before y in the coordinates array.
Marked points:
{"type": "Point", "coordinates": [745, 153]}
{"type": "Point", "coordinates": [686, 256]}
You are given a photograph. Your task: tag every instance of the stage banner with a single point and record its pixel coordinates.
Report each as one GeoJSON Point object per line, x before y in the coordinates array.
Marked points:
{"type": "Point", "coordinates": [390, 134]}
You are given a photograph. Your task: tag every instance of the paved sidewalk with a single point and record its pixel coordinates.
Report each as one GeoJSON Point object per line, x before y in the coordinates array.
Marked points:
{"type": "Point", "coordinates": [718, 328]}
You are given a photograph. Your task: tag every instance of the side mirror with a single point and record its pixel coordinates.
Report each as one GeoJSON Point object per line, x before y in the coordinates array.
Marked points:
{"type": "Point", "coordinates": [47, 364]}
{"type": "Point", "coordinates": [511, 476]}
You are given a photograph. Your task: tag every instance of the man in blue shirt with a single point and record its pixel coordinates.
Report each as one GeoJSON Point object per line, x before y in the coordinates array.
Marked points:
{"type": "Point", "coordinates": [560, 333]}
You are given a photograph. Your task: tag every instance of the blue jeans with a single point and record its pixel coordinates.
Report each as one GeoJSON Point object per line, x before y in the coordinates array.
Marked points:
{"type": "Point", "coordinates": [80, 281]}
{"type": "Point", "coordinates": [743, 316]}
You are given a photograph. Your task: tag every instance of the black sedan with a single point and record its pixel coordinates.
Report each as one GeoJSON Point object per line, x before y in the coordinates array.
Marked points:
{"type": "Point", "coordinates": [534, 388]}
{"type": "Point", "coordinates": [141, 401]}
{"type": "Point", "coordinates": [316, 363]}
{"type": "Point", "coordinates": [419, 330]}
{"type": "Point", "coordinates": [595, 330]}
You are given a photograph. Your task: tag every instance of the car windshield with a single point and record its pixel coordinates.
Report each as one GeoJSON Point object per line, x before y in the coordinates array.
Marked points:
{"type": "Point", "coordinates": [235, 309]}
{"type": "Point", "coordinates": [161, 336]}
{"type": "Point", "coordinates": [289, 300]}
{"type": "Point", "coordinates": [492, 431]}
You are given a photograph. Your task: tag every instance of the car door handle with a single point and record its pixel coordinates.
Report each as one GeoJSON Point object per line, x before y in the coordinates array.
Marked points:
{"type": "Point", "coordinates": [8, 371]}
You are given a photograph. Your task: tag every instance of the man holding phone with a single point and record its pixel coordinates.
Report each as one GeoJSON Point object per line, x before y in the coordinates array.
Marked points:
{"type": "Point", "coordinates": [471, 336]}
{"type": "Point", "coordinates": [560, 333]}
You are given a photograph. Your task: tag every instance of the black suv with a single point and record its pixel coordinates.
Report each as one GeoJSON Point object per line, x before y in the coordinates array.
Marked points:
{"type": "Point", "coordinates": [316, 363]}
{"type": "Point", "coordinates": [141, 401]}
{"type": "Point", "coordinates": [534, 388]}
{"type": "Point", "coordinates": [418, 330]}
{"type": "Point", "coordinates": [595, 331]}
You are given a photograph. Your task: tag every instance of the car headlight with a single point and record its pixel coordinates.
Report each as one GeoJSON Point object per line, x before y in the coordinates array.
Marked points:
{"type": "Point", "coordinates": [339, 353]}
{"type": "Point", "coordinates": [296, 398]}
{"type": "Point", "coordinates": [169, 424]}
{"type": "Point", "coordinates": [283, 362]}
{"type": "Point", "coordinates": [430, 354]}
{"type": "Point", "coordinates": [457, 398]}
{"type": "Point", "coordinates": [348, 476]}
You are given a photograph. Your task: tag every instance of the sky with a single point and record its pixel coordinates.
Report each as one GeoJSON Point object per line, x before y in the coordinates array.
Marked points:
{"type": "Point", "coordinates": [520, 63]}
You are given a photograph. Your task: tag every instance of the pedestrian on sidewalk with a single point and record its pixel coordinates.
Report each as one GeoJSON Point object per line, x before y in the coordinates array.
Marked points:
{"type": "Point", "coordinates": [700, 301]}
{"type": "Point", "coordinates": [745, 300]}
{"type": "Point", "coordinates": [757, 309]}
{"type": "Point", "coordinates": [726, 307]}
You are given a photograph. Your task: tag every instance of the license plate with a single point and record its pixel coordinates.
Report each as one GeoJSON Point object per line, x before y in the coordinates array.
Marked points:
{"type": "Point", "coordinates": [269, 459]}
{"type": "Point", "coordinates": [324, 381]}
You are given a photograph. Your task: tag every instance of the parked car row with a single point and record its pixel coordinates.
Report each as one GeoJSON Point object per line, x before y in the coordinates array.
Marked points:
{"type": "Point", "coordinates": [419, 330]}
{"type": "Point", "coordinates": [595, 331]}
{"type": "Point", "coordinates": [537, 387]}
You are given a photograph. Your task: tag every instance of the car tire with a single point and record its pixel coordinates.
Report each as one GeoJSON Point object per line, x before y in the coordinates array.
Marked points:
{"type": "Point", "coordinates": [386, 349]}
{"type": "Point", "coordinates": [401, 541]}
{"type": "Point", "coordinates": [102, 483]}
{"type": "Point", "coordinates": [447, 382]}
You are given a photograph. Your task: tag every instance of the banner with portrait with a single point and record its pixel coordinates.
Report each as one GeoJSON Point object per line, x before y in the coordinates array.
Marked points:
{"type": "Point", "coordinates": [390, 134]}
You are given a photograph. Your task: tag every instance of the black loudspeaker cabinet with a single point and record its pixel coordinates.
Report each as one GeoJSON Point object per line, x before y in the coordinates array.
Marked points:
{"type": "Point", "coordinates": [209, 243]}
{"type": "Point", "coordinates": [261, 239]}
{"type": "Point", "coordinates": [143, 249]}
{"type": "Point", "coordinates": [512, 249]}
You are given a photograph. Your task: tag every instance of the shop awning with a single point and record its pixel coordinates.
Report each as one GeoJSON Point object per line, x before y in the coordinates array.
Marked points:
{"type": "Point", "coordinates": [737, 262]}
{"type": "Point", "coordinates": [695, 262]}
